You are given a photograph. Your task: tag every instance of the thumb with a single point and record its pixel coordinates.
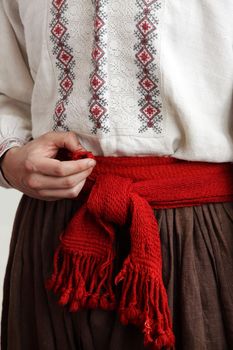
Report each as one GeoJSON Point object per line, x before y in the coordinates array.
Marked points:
{"type": "Point", "coordinates": [68, 140]}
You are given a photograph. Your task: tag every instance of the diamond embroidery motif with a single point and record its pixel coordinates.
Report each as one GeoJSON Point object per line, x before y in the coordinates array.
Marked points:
{"type": "Point", "coordinates": [145, 26]}
{"type": "Point", "coordinates": [98, 23]}
{"type": "Point", "coordinates": [150, 111]}
{"type": "Point", "coordinates": [145, 57]}
{"type": "Point", "coordinates": [58, 3]}
{"type": "Point", "coordinates": [96, 82]}
{"type": "Point", "coordinates": [59, 109]}
{"type": "Point", "coordinates": [97, 110]}
{"type": "Point", "coordinates": [66, 84]}
{"type": "Point", "coordinates": [59, 30]}
{"type": "Point", "coordinates": [64, 57]}
{"type": "Point", "coordinates": [97, 53]}
{"type": "Point", "coordinates": [147, 84]}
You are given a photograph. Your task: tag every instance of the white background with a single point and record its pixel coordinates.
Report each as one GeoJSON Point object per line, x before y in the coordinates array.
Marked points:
{"type": "Point", "coordinates": [9, 200]}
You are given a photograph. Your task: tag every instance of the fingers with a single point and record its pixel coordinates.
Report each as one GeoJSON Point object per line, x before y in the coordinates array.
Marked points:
{"type": "Point", "coordinates": [54, 167]}
{"type": "Point", "coordinates": [67, 140]}
{"type": "Point", "coordinates": [34, 170]}
{"type": "Point", "coordinates": [62, 193]}
{"type": "Point", "coordinates": [43, 182]}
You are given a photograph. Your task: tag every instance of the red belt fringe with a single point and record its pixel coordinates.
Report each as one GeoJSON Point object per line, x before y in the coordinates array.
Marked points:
{"type": "Point", "coordinates": [121, 192]}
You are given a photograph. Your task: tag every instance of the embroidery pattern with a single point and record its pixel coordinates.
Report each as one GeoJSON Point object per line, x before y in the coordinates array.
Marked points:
{"type": "Point", "coordinates": [10, 142]}
{"type": "Point", "coordinates": [64, 61]}
{"type": "Point", "coordinates": [146, 54]}
{"type": "Point", "coordinates": [98, 79]}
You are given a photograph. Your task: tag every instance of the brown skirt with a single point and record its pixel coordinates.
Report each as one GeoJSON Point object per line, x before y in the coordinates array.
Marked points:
{"type": "Point", "coordinates": [197, 248]}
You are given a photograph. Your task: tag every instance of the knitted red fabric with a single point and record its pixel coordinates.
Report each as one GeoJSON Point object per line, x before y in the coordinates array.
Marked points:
{"type": "Point", "coordinates": [121, 193]}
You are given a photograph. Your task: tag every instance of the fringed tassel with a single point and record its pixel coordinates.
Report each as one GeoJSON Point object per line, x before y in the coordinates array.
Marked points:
{"type": "Point", "coordinates": [82, 281]}
{"type": "Point", "coordinates": [144, 304]}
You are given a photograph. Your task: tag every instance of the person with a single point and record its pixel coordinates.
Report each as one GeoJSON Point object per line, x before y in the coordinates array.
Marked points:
{"type": "Point", "coordinates": [125, 80]}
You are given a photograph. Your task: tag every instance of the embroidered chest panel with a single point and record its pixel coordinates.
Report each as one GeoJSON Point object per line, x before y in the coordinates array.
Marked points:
{"type": "Point", "coordinates": [147, 22]}
{"type": "Point", "coordinates": [105, 56]}
{"type": "Point", "coordinates": [64, 58]}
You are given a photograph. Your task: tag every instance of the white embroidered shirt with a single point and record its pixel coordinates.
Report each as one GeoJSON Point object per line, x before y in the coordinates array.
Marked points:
{"type": "Point", "coordinates": [135, 77]}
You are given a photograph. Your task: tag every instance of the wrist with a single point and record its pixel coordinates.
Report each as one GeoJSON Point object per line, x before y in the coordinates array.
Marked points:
{"type": "Point", "coordinates": [4, 161]}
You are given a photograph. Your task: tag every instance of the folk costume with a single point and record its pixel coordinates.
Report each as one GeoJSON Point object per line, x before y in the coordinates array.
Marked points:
{"type": "Point", "coordinates": [143, 257]}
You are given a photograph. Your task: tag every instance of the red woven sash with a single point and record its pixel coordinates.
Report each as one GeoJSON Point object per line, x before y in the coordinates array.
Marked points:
{"type": "Point", "coordinates": [121, 192]}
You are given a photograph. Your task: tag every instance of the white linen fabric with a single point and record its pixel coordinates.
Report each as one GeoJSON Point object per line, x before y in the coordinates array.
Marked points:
{"type": "Point", "coordinates": [135, 77]}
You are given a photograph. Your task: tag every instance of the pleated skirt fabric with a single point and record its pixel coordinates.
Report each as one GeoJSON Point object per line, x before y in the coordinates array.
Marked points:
{"type": "Point", "coordinates": [197, 250]}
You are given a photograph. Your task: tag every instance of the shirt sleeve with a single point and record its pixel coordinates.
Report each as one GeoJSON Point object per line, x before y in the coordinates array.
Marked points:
{"type": "Point", "coordinates": [16, 83]}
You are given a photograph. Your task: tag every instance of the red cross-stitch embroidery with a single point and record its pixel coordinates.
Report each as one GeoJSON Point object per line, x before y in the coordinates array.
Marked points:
{"type": "Point", "coordinates": [98, 80]}
{"type": "Point", "coordinates": [65, 62]}
{"type": "Point", "coordinates": [146, 32]}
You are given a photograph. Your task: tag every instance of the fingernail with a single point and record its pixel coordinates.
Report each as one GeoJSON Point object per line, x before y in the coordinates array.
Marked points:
{"type": "Point", "coordinates": [91, 162]}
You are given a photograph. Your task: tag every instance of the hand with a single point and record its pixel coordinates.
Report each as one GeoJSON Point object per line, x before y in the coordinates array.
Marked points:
{"type": "Point", "coordinates": [33, 170]}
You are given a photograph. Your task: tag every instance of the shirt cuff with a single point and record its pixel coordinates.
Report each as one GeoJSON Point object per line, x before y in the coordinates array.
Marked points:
{"type": "Point", "coordinates": [5, 146]}
{"type": "Point", "coordinates": [9, 143]}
